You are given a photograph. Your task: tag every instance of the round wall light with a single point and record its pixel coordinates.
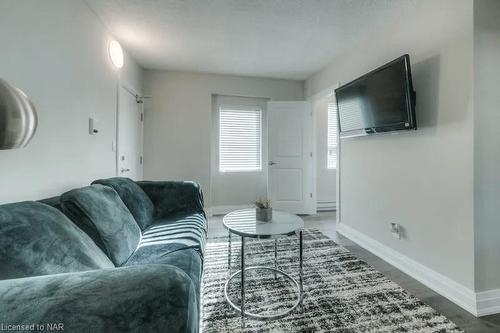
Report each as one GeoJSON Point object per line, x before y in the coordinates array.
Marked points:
{"type": "Point", "coordinates": [18, 118]}
{"type": "Point", "coordinates": [116, 54]}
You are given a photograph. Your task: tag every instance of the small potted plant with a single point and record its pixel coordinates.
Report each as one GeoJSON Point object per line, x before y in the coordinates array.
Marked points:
{"type": "Point", "coordinates": [263, 210]}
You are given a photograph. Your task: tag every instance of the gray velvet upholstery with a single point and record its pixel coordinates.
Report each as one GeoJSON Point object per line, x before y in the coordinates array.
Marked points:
{"type": "Point", "coordinates": [188, 260]}
{"type": "Point", "coordinates": [53, 201]}
{"type": "Point", "coordinates": [99, 209]}
{"type": "Point", "coordinates": [137, 202]}
{"type": "Point", "coordinates": [36, 239]}
{"type": "Point", "coordinates": [146, 298]}
{"type": "Point", "coordinates": [157, 289]}
{"type": "Point", "coordinates": [173, 197]}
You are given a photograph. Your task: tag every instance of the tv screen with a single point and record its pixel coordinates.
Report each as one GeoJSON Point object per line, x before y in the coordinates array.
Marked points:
{"type": "Point", "coordinates": [380, 101]}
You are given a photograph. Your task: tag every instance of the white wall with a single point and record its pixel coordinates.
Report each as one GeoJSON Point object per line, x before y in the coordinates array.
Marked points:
{"type": "Point", "coordinates": [178, 119]}
{"type": "Point", "coordinates": [325, 178]}
{"type": "Point", "coordinates": [237, 189]}
{"type": "Point", "coordinates": [421, 179]}
{"type": "Point", "coordinates": [56, 51]}
{"type": "Point", "coordinates": [486, 145]}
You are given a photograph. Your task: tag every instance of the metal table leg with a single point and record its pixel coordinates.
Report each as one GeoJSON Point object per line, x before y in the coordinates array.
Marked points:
{"type": "Point", "coordinates": [300, 270]}
{"type": "Point", "coordinates": [242, 281]}
{"type": "Point", "coordinates": [229, 254]}
{"type": "Point", "coordinates": [275, 256]}
{"type": "Point", "coordinates": [298, 284]}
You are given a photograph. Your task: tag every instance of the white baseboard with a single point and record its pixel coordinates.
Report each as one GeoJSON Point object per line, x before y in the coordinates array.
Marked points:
{"type": "Point", "coordinates": [488, 302]}
{"type": "Point", "coordinates": [223, 210]}
{"type": "Point", "coordinates": [477, 304]}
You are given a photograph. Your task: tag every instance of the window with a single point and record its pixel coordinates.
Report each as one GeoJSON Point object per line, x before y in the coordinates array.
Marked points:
{"type": "Point", "coordinates": [332, 134]}
{"type": "Point", "coordinates": [240, 137]}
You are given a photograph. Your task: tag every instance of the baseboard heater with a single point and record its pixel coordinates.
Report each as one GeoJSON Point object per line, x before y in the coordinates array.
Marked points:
{"type": "Point", "coordinates": [326, 206]}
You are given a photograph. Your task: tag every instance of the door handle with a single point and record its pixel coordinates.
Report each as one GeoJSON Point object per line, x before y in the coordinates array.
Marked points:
{"type": "Point", "coordinates": [272, 163]}
{"type": "Point", "coordinates": [124, 170]}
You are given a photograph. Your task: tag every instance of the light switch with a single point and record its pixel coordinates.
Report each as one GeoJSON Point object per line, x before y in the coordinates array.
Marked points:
{"type": "Point", "coordinates": [93, 126]}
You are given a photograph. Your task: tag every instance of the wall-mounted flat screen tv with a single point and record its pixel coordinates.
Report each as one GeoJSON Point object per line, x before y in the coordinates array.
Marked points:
{"type": "Point", "coordinates": [382, 100]}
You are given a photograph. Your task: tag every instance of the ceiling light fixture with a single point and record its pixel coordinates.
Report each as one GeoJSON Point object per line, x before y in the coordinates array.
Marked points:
{"type": "Point", "coordinates": [116, 54]}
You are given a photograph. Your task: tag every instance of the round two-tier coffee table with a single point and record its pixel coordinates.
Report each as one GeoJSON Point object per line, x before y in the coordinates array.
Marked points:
{"type": "Point", "coordinates": [243, 223]}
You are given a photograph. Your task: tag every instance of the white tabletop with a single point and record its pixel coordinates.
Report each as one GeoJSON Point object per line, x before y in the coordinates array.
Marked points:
{"type": "Point", "coordinates": [243, 222]}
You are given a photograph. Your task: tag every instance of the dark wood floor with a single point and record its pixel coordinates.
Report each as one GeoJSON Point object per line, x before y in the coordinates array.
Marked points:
{"type": "Point", "coordinates": [325, 222]}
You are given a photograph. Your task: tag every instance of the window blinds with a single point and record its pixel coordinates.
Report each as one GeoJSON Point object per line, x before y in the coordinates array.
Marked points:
{"type": "Point", "coordinates": [240, 139]}
{"type": "Point", "coordinates": [332, 134]}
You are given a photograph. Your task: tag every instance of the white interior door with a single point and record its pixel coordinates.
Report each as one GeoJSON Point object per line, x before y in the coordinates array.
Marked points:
{"type": "Point", "coordinates": [291, 175]}
{"type": "Point", "coordinates": [130, 127]}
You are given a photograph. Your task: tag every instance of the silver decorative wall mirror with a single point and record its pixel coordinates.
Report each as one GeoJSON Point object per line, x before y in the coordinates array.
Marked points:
{"type": "Point", "coordinates": [18, 120]}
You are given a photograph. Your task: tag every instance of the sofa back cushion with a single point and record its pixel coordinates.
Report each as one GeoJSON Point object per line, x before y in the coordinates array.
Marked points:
{"type": "Point", "coordinates": [36, 239]}
{"type": "Point", "coordinates": [100, 212]}
{"type": "Point", "coordinates": [53, 201]}
{"type": "Point", "coordinates": [136, 200]}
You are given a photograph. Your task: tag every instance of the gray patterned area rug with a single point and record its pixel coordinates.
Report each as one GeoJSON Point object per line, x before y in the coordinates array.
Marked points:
{"type": "Point", "coordinates": [342, 293]}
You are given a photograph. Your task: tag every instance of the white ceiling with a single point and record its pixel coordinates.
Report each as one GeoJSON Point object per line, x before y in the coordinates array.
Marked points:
{"type": "Point", "coordinates": [289, 39]}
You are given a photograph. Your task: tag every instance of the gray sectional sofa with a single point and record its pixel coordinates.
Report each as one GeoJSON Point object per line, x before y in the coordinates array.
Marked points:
{"type": "Point", "coordinates": [115, 256]}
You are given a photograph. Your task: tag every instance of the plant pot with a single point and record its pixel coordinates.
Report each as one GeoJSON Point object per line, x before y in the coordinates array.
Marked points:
{"type": "Point", "coordinates": [264, 214]}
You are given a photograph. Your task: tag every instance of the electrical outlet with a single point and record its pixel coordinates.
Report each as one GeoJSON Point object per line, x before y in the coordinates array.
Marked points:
{"type": "Point", "coordinates": [396, 230]}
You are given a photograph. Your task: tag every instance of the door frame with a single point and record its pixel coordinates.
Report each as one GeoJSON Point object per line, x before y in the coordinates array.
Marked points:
{"type": "Point", "coordinates": [138, 96]}
{"type": "Point", "coordinates": [338, 205]}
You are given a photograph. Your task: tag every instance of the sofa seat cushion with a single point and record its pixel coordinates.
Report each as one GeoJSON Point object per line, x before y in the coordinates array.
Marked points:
{"type": "Point", "coordinates": [188, 260]}
{"type": "Point", "coordinates": [134, 197]}
{"type": "Point", "coordinates": [136, 299]}
{"type": "Point", "coordinates": [177, 232]}
{"type": "Point", "coordinates": [100, 212]}
{"type": "Point", "coordinates": [36, 239]}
